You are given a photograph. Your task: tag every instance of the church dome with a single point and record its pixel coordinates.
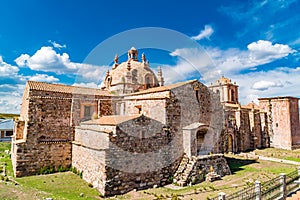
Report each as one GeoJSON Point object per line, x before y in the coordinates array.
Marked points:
{"type": "Point", "coordinates": [130, 76]}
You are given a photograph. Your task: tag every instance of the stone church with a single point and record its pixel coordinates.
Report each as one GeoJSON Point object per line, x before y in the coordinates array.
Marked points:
{"type": "Point", "coordinates": [136, 132]}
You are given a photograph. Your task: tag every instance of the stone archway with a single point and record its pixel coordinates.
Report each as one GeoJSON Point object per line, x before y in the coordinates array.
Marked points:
{"type": "Point", "coordinates": [200, 139]}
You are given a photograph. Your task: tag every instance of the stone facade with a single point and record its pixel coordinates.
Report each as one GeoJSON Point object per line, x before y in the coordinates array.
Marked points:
{"type": "Point", "coordinates": [44, 131]}
{"type": "Point", "coordinates": [135, 132]}
{"type": "Point", "coordinates": [283, 119]}
{"type": "Point", "coordinates": [120, 160]}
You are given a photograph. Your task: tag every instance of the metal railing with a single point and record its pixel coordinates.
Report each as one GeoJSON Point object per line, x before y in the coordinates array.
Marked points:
{"type": "Point", "coordinates": [276, 188]}
{"type": "Point", "coordinates": [247, 193]}
{"type": "Point", "coordinates": [271, 188]}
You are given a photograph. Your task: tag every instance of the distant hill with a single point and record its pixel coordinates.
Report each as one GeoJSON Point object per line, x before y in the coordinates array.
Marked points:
{"type": "Point", "coordinates": [8, 116]}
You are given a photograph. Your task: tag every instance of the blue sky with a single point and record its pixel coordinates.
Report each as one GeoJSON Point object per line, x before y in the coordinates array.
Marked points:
{"type": "Point", "coordinates": [255, 43]}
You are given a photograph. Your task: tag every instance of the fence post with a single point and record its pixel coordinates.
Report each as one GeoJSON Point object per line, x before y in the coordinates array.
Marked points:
{"type": "Point", "coordinates": [299, 173]}
{"type": "Point", "coordinates": [283, 186]}
{"type": "Point", "coordinates": [221, 196]}
{"type": "Point", "coordinates": [257, 190]}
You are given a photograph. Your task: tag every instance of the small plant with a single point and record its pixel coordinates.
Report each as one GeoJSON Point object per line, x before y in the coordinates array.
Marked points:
{"type": "Point", "coordinates": [95, 116]}
{"type": "Point", "coordinates": [46, 170]}
{"type": "Point", "coordinates": [195, 191]}
{"type": "Point", "coordinates": [171, 178]}
{"type": "Point", "coordinates": [90, 185]}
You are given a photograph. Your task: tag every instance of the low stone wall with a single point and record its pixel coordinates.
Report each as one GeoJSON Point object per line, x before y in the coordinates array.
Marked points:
{"type": "Point", "coordinates": [120, 182]}
{"type": "Point", "coordinates": [29, 159]}
{"type": "Point", "coordinates": [204, 164]}
{"type": "Point", "coordinates": [91, 162]}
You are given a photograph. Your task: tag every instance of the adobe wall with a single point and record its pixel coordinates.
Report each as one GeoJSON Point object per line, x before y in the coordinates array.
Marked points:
{"type": "Point", "coordinates": [283, 118]}
{"type": "Point", "coordinates": [295, 125]}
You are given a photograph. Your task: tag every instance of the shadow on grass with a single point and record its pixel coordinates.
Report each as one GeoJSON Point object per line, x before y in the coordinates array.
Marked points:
{"type": "Point", "coordinates": [236, 164]}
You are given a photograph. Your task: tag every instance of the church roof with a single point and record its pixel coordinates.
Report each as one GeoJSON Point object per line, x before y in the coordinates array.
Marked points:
{"type": "Point", "coordinates": [118, 74]}
{"type": "Point", "coordinates": [162, 88]}
{"type": "Point", "coordinates": [42, 86]}
{"type": "Point", "coordinates": [115, 119]}
{"type": "Point", "coordinates": [7, 124]}
{"type": "Point", "coordinates": [223, 81]}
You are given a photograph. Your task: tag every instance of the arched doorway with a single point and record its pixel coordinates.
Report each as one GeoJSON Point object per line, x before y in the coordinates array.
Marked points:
{"type": "Point", "coordinates": [230, 143]}
{"type": "Point", "coordinates": [200, 139]}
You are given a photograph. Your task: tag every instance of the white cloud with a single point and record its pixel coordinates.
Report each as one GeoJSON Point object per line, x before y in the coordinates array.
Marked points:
{"type": "Point", "coordinates": [89, 85]}
{"type": "Point", "coordinates": [192, 62]}
{"type": "Point", "coordinates": [206, 33]}
{"type": "Point", "coordinates": [44, 78]}
{"type": "Point", "coordinates": [56, 45]}
{"type": "Point", "coordinates": [47, 59]}
{"type": "Point", "coordinates": [7, 70]}
{"type": "Point", "coordinates": [265, 85]}
{"type": "Point", "coordinates": [234, 60]}
{"type": "Point", "coordinates": [212, 62]}
{"type": "Point", "coordinates": [283, 81]}
{"type": "Point", "coordinates": [264, 51]}
{"type": "Point", "coordinates": [11, 98]}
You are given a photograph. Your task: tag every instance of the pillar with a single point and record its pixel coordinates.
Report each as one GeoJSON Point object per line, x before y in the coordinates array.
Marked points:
{"type": "Point", "coordinates": [221, 196]}
{"type": "Point", "coordinates": [283, 186]}
{"type": "Point", "coordinates": [257, 190]}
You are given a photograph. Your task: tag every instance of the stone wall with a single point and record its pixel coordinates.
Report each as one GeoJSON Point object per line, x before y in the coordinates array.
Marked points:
{"type": "Point", "coordinates": [88, 155]}
{"type": "Point", "coordinates": [46, 137]}
{"type": "Point", "coordinates": [196, 168]}
{"type": "Point", "coordinates": [127, 161]}
{"type": "Point", "coordinates": [283, 119]}
{"type": "Point", "coordinates": [203, 164]}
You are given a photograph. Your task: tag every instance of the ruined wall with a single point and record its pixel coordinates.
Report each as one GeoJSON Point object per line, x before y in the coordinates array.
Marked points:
{"type": "Point", "coordinates": [140, 155]}
{"type": "Point", "coordinates": [126, 161]}
{"type": "Point", "coordinates": [202, 166]}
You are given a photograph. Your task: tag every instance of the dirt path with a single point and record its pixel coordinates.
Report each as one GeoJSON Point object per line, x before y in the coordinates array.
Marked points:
{"type": "Point", "coordinates": [279, 160]}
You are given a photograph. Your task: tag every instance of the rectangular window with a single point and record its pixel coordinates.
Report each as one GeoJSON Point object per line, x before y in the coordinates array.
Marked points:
{"type": "Point", "coordinates": [8, 133]}
{"type": "Point", "coordinates": [87, 111]}
{"type": "Point", "coordinates": [142, 134]}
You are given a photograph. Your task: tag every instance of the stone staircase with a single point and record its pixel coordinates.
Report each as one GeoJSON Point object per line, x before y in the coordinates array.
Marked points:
{"type": "Point", "coordinates": [295, 196]}
{"type": "Point", "coordinates": [182, 174]}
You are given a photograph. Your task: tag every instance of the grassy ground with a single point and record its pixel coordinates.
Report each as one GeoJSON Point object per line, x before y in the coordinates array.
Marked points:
{"type": "Point", "coordinates": [293, 155]}
{"type": "Point", "coordinates": [70, 186]}
{"type": "Point", "coordinates": [8, 116]}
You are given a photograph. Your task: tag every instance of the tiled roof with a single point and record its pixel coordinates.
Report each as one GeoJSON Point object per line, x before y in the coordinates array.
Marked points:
{"type": "Point", "coordinates": [115, 119]}
{"type": "Point", "coordinates": [163, 88]}
{"type": "Point", "coordinates": [280, 97]}
{"type": "Point", "coordinates": [7, 124]}
{"type": "Point", "coordinates": [33, 85]}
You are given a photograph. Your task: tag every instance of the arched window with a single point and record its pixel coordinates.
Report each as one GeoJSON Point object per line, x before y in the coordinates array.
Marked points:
{"type": "Point", "coordinates": [134, 76]}
{"type": "Point", "coordinates": [148, 81]}
{"type": "Point", "coordinates": [232, 95]}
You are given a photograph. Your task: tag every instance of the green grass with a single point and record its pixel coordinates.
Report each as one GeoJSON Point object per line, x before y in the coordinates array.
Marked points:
{"type": "Point", "coordinates": [68, 185]}
{"type": "Point", "coordinates": [64, 185]}
{"type": "Point", "coordinates": [5, 158]}
{"type": "Point", "coordinates": [293, 155]}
